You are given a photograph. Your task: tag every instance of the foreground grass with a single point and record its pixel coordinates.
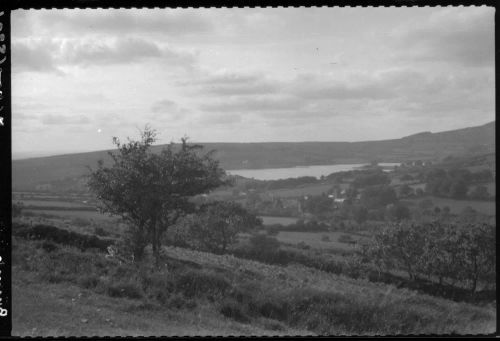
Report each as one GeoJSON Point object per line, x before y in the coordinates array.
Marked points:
{"type": "Point", "coordinates": [199, 293]}
{"type": "Point", "coordinates": [49, 309]}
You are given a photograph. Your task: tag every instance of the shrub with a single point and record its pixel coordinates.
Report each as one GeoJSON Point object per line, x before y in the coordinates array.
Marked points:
{"type": "Point", "coordinates": [158, 286]}
{"type": "Point", "coordinates": [303, 245]}
{"type": "Point", "coordinates": [196, 283]}
{"type": "Point", "coordinates": [99, 231]}
{"type": "Point", "coordinates": [90, 281]}
{"type": "Point", "coordinates": [263, 244]}
{"type": "Point", "coordinates": [346, 238]}
{"type": "Point", "coordinates": [68, 264]}
{"type": "Point", "coordinates": [272, 232]}
{"type": "Point", "coordinates": [80, 222]}
{"type": "Point", "coordinates": [62, 236]}
{"type": "Point", "coordinates": [233, 310]}
{"type": "Point", "coordinates": [49, 246]}
{"type": "Point", "coordinates": [325, 238]}
{"type": "Point", "coordinates": [129, 289]}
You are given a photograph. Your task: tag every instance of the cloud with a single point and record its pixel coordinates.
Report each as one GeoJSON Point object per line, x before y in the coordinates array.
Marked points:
{"type": "Point", "coordinates": [210, 118]}
{"type": "Point", "coordinates": [120, 51]}
{"type": "Point", "coordinates": [35, 56]}
{"type": "Point", "coordinates": [53, 119]}
{"type": "Point", "coordinates": [120, 21]}
{"type": "Point", "coordinates": [48, 55]}
{"type": "Point", "coordinates": [254, 104]}
{"type": "Point", "coordinates": [168, 110]}
{"type": "Point", "coordinates": [463, 36]}
{"type": "Point", "coordinates": [233, 84]}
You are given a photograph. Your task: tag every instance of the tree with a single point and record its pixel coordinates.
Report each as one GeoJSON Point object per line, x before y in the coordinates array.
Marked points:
{"type": "Point", "coordinates": [480, 192]}
{"type": "Point", "coordinates": [398, 212]}
{"type": "Point", "coordinates": [458, 189]}
{"type": "Point", "coordinates": [217, 225]}
{"type": "Point", "coordinates": [378, 196]}
{"type": "Point", "coordinates": [359, 213]}
{"type": "Point", "coordinates": [405, 191]}
{"type": "Point", "coordinates": [151, 191]}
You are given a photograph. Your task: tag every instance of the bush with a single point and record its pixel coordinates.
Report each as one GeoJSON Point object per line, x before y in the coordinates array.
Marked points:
{"type": "Point", "coordinates": [68, 264]}
{"type": "Point", "coordinates": [129, 289]}
{"type": "Point", "coordinates": [158, 286]}
{"type": "Point", "coordinates": [303, 245]}
{"type": "Point", "coordinates": [233, 310]}
{"type": "Point", "coordinates": [263, 244]}
{"type": "Point", "coordinates": [90, 281]}
{"type": "Point", "coordinates": [62, 236]}
{"type": "Point", "coordinates": [80, 222]}
{"type": "Point", "coordinates": [346, 238]}
{"type": "Point", "coordinates": [99, 231]}
{"type": "Point", "coordinates": [325, 238]}
{"type": "Point", "coordinates": [196, 283]}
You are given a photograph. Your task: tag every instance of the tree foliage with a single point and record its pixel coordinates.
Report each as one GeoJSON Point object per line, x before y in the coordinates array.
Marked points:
{"type": "Point", "coordinates": [151, 191]}
{"type": "Point", "coordinates": [449, 252]}
{"type": "Point", "coordinates": [217, 225]}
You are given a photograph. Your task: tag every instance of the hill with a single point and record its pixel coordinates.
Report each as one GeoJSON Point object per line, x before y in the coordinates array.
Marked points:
{"type": "Point", "coordinates": [64, 291]}
{"type": "Point", "coordinates": [29, 173]}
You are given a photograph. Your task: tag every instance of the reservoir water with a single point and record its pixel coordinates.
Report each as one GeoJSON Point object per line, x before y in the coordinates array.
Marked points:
{"type": "Point", "coordinates": [295, 172]}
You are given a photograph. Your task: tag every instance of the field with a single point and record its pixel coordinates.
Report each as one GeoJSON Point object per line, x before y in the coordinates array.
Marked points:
{"type": "Point", "coordinates": [267, 220]}
{"type": "Point", "coordinates": [68, 214]}
{"type": "Point", "coordinates": [52, 203]}
{"type": "Point", "coordinates": [456, 206]}
{"type": "Point", "coordinates": [314, 189]}
{"type": "Point", "coordinates": [319, 240]}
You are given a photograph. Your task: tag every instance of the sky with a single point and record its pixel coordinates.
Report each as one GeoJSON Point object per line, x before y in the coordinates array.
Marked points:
{"type": "Point", "coordinates": [80, 77]}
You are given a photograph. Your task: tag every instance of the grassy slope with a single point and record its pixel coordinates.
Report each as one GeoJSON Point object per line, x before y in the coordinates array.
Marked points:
{"type": "Point", "coordinates": [48, 309]}
{"type": "Point", "coordinates": [304, 298]}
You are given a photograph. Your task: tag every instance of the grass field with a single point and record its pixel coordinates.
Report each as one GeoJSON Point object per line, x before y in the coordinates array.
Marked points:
{"type": "Point", "coordinates": [68, 214]}
{"type": "Point", "coordinates": [314, 189]}
{"type": "Point", "coordinates": [62, 309]}
{"type": "Point", "coordinates": [317, 239]}
{"type": "Point", "coordinates": [456, 206]}
{"type": "Point", "coordinates": [51, 203]}
{"type": "Point", "coordinates": [267, 220]}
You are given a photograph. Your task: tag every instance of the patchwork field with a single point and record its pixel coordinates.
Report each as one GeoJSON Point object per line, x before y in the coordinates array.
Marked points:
{"type": "Point", "coordinates": [456, 206]}
{"type": "Point", "coordinates": [267, 220]}
{"type": "Point", "coordinates": [321, 240]}
{"type": "Point", "coordinates": [68, 214]}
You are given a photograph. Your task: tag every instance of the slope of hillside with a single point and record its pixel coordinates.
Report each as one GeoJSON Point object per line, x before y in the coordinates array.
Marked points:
{"type": "Point", "coordinates": [200, 293]}
{"type": "Point", "coordinates": [29, 173]}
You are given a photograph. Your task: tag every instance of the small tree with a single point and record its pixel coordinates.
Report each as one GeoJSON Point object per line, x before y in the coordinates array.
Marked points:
{"type": "Point", "coordinates": [218, 225]}
{"type": "Point", "coordinates": [151, 191]}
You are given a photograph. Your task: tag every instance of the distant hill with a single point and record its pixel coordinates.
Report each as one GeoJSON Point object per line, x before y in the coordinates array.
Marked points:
{"type": "Point", "coordinates": [27, 174]}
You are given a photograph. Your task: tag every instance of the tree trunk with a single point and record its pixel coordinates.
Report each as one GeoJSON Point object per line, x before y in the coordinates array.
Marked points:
{"type": "Point", "coordinates": [156, 247]}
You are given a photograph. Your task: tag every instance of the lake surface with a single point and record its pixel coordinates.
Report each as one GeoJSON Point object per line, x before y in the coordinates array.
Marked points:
{"type": "Point", "coordinates": [295, 172]}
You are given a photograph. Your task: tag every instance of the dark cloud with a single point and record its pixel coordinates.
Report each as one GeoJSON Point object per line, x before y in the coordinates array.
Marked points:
{"type": "Point", "coordinates": [121, 51]}
{"type": "Point", "coordinates": [111, 21]}
{"type": "Point", "coordinates": [464, 38]}
{"type": "Point", "coordinates": [35, 56]}
{"type": "Point", "coordinates": [48, 54]}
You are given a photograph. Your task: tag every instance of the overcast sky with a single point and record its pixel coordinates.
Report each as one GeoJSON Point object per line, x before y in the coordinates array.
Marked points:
{"type": "Point", "coordinates": [244, 75]}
